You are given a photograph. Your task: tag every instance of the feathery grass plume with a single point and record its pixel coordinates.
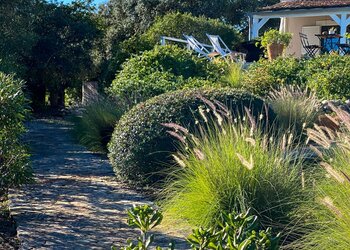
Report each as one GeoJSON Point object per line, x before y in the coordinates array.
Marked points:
{"type": "Point", "coordinates": [95, 126]}
{"type": "Point", "coordinates": [296, 108]}
{"type": "Point", "coordinates": [233, 168]}
{"type": "Point", "coordinates": [329, 226]}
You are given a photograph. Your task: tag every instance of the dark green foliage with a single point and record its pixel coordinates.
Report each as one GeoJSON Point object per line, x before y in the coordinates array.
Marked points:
{"type": "Point", "coordinates": [177, 24]}
{"type": "Point", "coordinates": [329, 76]}
{"type": "Point", "coordinates": [326, 75]}
{"type": "Point", "coordinates": [17, 35]}
{"type": "Point", "coordinates": [140, 149]}
{"type": "Point", "coordinates": [95, 126]}
{"type": "Point", "coordinates": [14, 167]}
{"type": "Point", "coordinates": [264, 75]}
{"type": "Point", "coordinates": [163, 69]}
{"type": "Point", "coordinates": [61, 56]}
{"type": "Point", "coordinates": [234, 231]}
{"type": "Point", "coordinates": [129, 19]}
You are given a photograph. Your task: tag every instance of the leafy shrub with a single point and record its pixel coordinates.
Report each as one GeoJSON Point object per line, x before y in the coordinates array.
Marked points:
{"type": "Point", "coordinates": [163, 69]}
{"type": "Point", "coordinates": [273, 36]}
{"type": "Point", "coordinates": [234, 167]}
{"type": "Point", "coordinates": [295, 108]}
{"type": "Point", "coordinates": [95, 126]}
{"type": "Point", "coordinates": [14, 167]}
{"type": "Point", "coordinates": [145, 218]}
{"type": "Point", "coordinates": [175, 25]}
{"type": "Point", "coordinates": [328, 76]}
{"type": "Point", "coordinates": [234, 231]}
{"type": "Point", "coordinates": [325, 75]}
{"type": "Point", "coordinates": [140, 148]}
{"type": "Point", "coordinates": [264, 75]}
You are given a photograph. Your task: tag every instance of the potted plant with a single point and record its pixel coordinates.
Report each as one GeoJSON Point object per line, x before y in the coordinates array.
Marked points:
{"type": "Point", "coordinates": [332, 31]}
{"type": "Point", "coordinates": [347, 37]}
{"type": "Point", "coordinates": [275, 42]}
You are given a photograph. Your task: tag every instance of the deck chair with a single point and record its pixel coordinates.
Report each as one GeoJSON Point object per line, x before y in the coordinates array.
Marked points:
{"type": "Point", "coordinates": [311, 49]}
{"type": "Point", "coordinates": [219, 45]}
{"type": "Point", "coordinates": [223, 50]}
{"type": "Point", "coordinates": [197, 47]}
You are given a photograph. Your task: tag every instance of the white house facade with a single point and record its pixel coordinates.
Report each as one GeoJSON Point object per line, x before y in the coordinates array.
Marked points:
{"type": "Point", "coordinates": [310, 17]}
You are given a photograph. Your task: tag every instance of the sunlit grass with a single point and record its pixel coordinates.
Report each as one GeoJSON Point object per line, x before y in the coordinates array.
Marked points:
{"type": "Point", "coordinates": [296, 108]}
{"type": "Point", "coordinates": [234, 168]}
{"type": "Point", "coordinates": [329, 226]}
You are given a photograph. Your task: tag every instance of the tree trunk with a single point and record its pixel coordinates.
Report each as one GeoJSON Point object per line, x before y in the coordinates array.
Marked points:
{"type": "Point", "coordinates": [56, 99]}
{"type": "Point", "coordinates": [37, 93]}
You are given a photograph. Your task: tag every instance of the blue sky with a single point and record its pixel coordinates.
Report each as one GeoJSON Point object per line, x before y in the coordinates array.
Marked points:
{"type": "Point", "coordinates": [96, 1]}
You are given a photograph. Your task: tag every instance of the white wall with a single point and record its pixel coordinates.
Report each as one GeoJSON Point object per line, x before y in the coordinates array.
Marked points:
{"type": "Point", "coordinates": [294, 25]}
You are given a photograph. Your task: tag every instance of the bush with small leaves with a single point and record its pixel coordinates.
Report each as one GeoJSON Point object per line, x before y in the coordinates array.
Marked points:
{"type": "Point", "coordinates": [140, 149]}
{"type": "Point", "coordinates": [328, 76]}
{"type": "Point", "coordinates": [163, 69]}
{"type": "Point", "coordinates": [177, 24]}
{"type": "Point", "coordinates": [263, 76]}
{"type": "Point", "coordinates": [14, 158]}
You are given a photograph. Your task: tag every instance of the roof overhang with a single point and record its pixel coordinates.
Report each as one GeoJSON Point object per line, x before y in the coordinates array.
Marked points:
{"type": "Point", "coordinates": [309, 12]}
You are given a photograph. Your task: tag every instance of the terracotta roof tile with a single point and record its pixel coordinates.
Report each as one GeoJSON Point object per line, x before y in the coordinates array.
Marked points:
{"type": "Point", "coordinates": [307, 4]}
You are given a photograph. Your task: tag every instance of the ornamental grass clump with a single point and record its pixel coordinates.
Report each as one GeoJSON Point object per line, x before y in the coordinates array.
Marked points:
{"type": "Point", "coordinates": [296, 108]}
{"type": "Point", "coordinates": [95, 126]}
{"type": "Point", "coordinates": [329, 227]}
{"type": "Point", "coordinates": [232, 167]}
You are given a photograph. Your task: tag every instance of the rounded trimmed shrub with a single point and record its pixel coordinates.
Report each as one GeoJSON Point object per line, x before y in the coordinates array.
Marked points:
{"type": "Point", "coordinates": [163, 69]}
{"type": "Point", "coordinates": [140, 149]}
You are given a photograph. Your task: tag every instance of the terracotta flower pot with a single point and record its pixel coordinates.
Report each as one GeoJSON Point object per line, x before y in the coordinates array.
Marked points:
{"type": "Point", "coordinates": [274, 50]}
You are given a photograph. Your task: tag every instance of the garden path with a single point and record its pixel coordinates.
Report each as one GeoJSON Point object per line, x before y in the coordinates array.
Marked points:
{"type": "Point", "coordinates": [75, 203]}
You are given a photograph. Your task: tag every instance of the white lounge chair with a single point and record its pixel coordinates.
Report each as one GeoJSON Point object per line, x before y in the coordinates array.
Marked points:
{"type": "Point", "coordinates": [220, 47]}
{"type": "Point", "coordinates": [197, 47]}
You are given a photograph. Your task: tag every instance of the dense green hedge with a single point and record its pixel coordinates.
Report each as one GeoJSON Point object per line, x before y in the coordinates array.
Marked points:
{"type": "Point", "coordinates": [14, 167]}
{"type": "Point", "coordinates": [163, 69]}
{"type": "Point", "coordinates": [140, 148]}
{"type": "Point", "coordinates": [176, 25]}
{"type": "Point", "coordinates": [327, 75]}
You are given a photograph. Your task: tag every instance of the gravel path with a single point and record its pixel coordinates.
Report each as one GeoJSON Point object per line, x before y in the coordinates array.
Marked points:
{"type": "Point", "coordinates": [75, 203]}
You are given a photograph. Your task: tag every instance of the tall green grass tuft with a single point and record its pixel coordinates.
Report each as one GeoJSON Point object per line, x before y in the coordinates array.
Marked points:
{"type": "Point", "coordinates": [231, 168]}
{"type": "Point", "coordinates": [296, 108]}
{"type": "Point", "coordinates": [95, 126]}
{"type": "Point", "coordinates": [329, 227]}
{"type": "Point", "coordinates": [234, 75]}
